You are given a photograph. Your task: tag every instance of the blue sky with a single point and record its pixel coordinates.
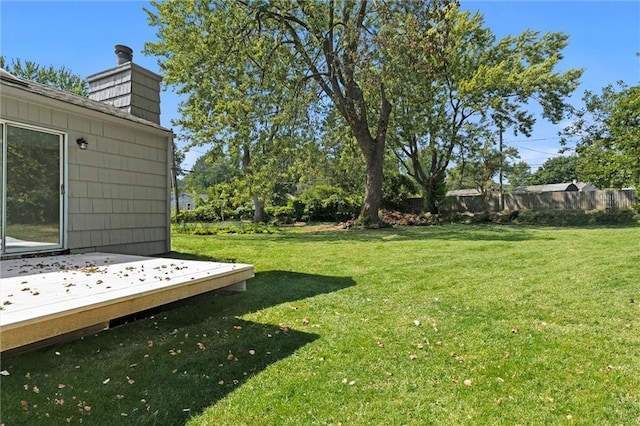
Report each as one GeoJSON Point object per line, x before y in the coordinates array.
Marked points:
{"type": "Point", "coordinates": [80, 35]}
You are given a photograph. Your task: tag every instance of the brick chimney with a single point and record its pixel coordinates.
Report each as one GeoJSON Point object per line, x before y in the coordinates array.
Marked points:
{"type": "Point", "coordinates": [128, 86]}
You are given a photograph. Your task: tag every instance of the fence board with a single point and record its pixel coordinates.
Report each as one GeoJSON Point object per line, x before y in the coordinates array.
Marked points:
{"type": "Point", "coordinates": [587, 201]}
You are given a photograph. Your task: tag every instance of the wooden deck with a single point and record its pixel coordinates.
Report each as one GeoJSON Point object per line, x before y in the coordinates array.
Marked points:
{"type": "Point", "coordinates": [41, 298]}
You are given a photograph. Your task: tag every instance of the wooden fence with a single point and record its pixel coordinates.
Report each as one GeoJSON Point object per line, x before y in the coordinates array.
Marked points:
{"type": "Point", "coordinates": [586, 201]}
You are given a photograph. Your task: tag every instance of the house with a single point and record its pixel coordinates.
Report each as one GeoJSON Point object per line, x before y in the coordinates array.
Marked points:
{"type": "Point", "coordinates": [187, 201]}
{"type": "Point", "coordinates": [85, 175]}
{"type": "Point", "coordinates": [555, 187]}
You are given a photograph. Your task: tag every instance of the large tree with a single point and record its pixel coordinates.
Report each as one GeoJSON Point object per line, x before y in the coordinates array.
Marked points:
{"type": "Point", "coordinates": [556, 170]}
{"type": "Point", "coordinates": [330, 47]}
{"type": "Point", "coordinates": [478, 161]}
{"type": "Point", "coordinates": [58, 78]}
{"type": "Point", "coordinates": [452, 71]}
{"type": "Point", "coordinates": [606, 132]}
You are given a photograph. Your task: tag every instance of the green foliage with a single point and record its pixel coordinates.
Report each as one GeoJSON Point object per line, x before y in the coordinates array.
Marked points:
{"type": "Point", "coordinates": [607, 137]}
{"type": "Point", "coordinates": [208, 171]}
{"type": "Point", "coordinates": [449, 71]}
{"type": "Point", "coordinates": [556, 170]}
{"type": "Point", "coordinates": [397, 189]}
{"type": "Point", "coordinates": [518, 174]}
{"type": "Point", "coordinates": [58, 78]}
{"type": "Point", "coordinates": [33, 159]}
{"type": "Point", "coordinates": [260, 77]}
{"type": "Point", "coordinates": [324, 203]}
{"type": "Point", "coordinates": [222, 228]}
{"type": "Point", "coordinates": [479, 161]}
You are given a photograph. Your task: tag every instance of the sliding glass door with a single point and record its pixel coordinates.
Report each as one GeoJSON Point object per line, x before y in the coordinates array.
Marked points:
{"type": "Point", "coordinates": [32, 189]}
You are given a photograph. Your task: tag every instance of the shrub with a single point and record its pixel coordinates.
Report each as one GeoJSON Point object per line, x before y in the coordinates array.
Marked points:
{"type": "Point", "coordinates": [215, 229]}
{"type": "Point", "coordinates": [396, 192]}
{"type": "Point", "coordinates": [328, 203]}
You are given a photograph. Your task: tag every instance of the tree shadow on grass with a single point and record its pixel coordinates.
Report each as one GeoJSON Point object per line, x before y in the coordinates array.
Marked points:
{"type": "Point", "coordinates": [163, 368]}
{"type": "Point", "coordinates": [453, 232]}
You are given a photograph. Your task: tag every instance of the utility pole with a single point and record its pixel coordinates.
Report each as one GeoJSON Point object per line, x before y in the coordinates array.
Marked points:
{"type": "Point", "coordinates": [501, 166]}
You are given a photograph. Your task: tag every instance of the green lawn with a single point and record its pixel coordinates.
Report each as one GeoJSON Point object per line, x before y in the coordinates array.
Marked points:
{"type": "Point", "coordinates": [455, 324]}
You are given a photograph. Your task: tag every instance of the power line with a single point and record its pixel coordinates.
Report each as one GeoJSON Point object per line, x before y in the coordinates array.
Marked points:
{"type": "Point", "coordinates": [532, 140]}
{"type": "Point", "coordinates": [553, 154]}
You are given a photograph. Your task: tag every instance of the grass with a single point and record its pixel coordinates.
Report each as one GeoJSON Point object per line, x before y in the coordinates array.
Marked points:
{"type": "Point", "coordinates": [44, 233]}
{"type": "Point", "coordinates": [455, 324]}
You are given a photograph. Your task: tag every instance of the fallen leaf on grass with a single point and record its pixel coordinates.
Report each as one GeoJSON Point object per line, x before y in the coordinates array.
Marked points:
{"type": "Point", "coordinates": [4, 373]}
{"type": "Point", "coordinates": [413, 356]}
{"type": "Point", "coordinates": [201, 346]}
{"type": "Point", "coordinates": [61, 386]}
{"type": "Point", "coordinates": [25, 405]}
{"type": "Point", "coordinates": [468, 382]}
{"type": "Point", "coordinates": [105, 381]}
{"type": "Point", "coordinates": [305, 321]}
{"type": "Point", "coordinates": [252, 352]}
{"type": "Point", "coordinates": [36, 389]}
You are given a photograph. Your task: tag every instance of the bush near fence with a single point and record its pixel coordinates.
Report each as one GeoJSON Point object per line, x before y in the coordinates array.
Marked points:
{"type": "Point", "coordinates": [586, 201]}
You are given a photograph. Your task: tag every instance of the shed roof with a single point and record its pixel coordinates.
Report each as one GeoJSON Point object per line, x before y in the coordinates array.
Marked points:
{"type": "Point", "coordinates": [551, 187]}
{"type": "Point", "coordinates": [8, 79]}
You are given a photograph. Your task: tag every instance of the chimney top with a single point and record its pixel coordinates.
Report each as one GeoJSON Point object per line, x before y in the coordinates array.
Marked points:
{"type": "Point", "coordinates": [124, 53]}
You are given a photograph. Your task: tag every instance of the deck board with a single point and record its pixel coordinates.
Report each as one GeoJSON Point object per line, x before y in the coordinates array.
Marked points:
{"type": "Point", "coordinates": [46, 297]}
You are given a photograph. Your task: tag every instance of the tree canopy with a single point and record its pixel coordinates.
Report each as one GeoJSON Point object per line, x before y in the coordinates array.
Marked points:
{"type": "Point", "coordinates": [271, 84]}
{"type": "Point", "coordinates": [465, 80]}
{"type": "Point", "coordinates": [58, 78]}
{"type": "Point", "coordinates": [606, 132]}
{"type": "Point", "coordinates": [556, 170]}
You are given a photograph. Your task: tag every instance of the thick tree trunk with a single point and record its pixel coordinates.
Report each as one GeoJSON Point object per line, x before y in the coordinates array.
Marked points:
{"type": "Point", "coordinates": [374, 159]}
{"type": "Point", "coordinates": [258, 209]}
